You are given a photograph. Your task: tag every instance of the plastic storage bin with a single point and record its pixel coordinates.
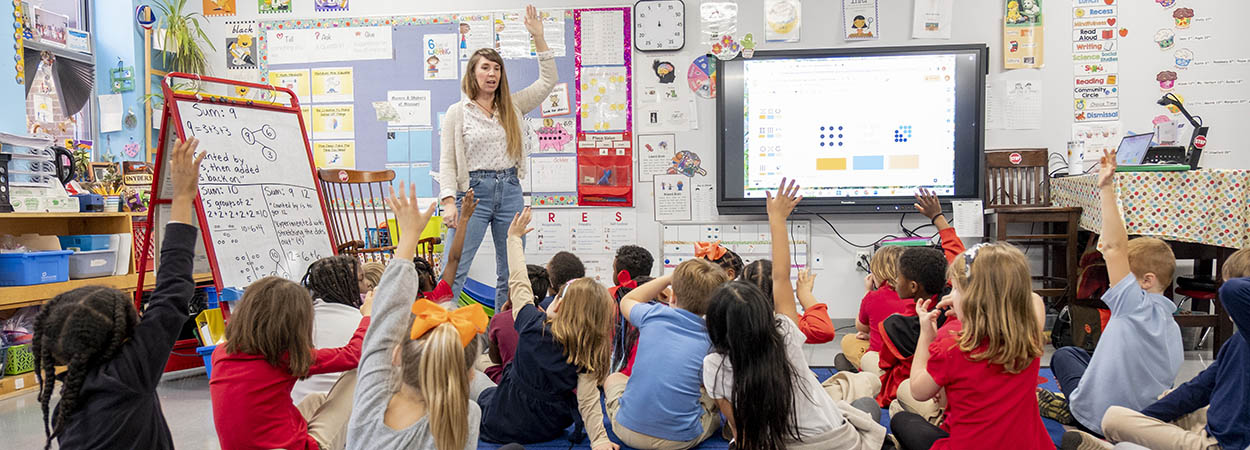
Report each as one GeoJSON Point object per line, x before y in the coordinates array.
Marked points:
{"type": "Point", "coordinates": [21, 360]}
{"type": "Point", "coordinates": [92, 264]}
{"type": "Point", "coordinates": [85, 242]}
{"type": "Point", "coordinates": [206, 352]}
{"type": "Point", "coordinates": [24, 269]}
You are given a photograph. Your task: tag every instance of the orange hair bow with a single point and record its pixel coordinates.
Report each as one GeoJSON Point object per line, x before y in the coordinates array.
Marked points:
{"type": "Point", "coordinates": [711, 251]}
{"type": "Point", "coordinates": [468, 320]}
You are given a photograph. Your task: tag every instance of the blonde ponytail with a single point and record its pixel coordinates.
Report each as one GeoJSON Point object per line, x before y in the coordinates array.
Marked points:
{"type": "Point", "coordinates": [435, 367]}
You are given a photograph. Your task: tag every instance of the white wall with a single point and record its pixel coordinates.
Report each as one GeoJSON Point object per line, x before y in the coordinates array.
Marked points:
{"type": "Point", "coordinates": [976, 21]}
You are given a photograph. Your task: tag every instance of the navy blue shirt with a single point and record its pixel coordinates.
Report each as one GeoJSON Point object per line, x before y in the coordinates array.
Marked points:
{"type": "Point", "coordinates": [1225, 385]}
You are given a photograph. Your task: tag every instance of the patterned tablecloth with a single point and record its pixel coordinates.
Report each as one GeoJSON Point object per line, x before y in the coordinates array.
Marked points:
{"type": "Point", "coordinates": [1207, 206]}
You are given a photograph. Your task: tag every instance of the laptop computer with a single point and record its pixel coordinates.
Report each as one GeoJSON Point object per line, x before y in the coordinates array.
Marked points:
{"type": "Point", "coordinates": [1132, 152]}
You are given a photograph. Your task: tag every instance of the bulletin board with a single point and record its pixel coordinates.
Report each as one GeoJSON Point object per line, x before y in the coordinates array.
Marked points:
{"type": "Point", "coordinates": [581, 150]}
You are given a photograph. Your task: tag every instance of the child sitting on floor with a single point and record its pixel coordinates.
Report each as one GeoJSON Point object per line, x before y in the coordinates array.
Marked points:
{"type": "Point", "coordinates": [440, 291]}
{"type": "Point", "coordinates": [921, 277]}
{"type": "Point", "coordinates": [558, 353]}
{"type": "Point", "coordinates": [989, 368]}
{"type": "Point", "coordinates": [880, 302]}
{"type": "Point", "coordinates": [757, 372]}
{"type": "Point", "coordinates": [625, 338]}
{"type": "Point", "coordinates": [815, 324]}
{"type": "Point", "coordinates": [334, 283]}
{"type": "Point", "coordinates": [1140, 351]}
{"type": "Point", "coordinates": [114, 358]}
{"type": "Point", "coordinates": [723, 257]}
{"type": "Point", "coordinates": [1213, 409]}
{"type": "Point", "coordinates": [502, 334]}
{"type": "Point", "coordinates": [562, 268]}
{"type": "Point", "coordinates": [268, 347]}
{"type": "Point", "coordinates": [413, 388]}
{"type": "Point", "coordinates": [661, 405]}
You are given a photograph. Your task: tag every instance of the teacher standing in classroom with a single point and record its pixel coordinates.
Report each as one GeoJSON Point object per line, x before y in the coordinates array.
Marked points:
{"type": "Point", "coordinates": [483, 148]}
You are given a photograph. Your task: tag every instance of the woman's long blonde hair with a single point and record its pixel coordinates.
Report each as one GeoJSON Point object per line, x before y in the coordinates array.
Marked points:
{"type": "Point", "coordinates": [584, 325]}
{"type": "Point", "coordinates": [503, 99]}
{"type": "Point", "coordinates": [436, 366]}
{"type": "Point", "coordinates": [996, 306]}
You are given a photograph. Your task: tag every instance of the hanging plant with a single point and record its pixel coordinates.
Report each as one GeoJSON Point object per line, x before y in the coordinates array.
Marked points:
{"type": "Point", "coordinates": [183, 38]}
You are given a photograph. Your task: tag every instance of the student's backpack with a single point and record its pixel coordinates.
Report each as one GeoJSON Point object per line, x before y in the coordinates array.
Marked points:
{"type": "Point", "coordinates": [1087, 316]}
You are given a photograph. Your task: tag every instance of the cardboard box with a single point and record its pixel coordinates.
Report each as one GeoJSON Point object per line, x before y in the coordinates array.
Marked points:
{"type": "Point", "coordinates": [15, 383]}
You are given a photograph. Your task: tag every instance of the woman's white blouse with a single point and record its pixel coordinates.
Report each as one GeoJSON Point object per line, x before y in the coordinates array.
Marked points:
{"type": "Point", "coordinates": [485, 140]}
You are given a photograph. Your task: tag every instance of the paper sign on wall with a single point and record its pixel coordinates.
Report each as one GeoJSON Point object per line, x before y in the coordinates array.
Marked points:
{"type": "Point", "coordinates": [332, 85]}
{"type": "Point", "coordinates": [602, 40]}
{"type": "Point", "coordinates": [440, 57]}
{"type": "Point", "coordinates": [859, 20]}
{"type": "Point", "coordinates": [931, 19]}
{"type": "Point", "coordinates": [672, 197]}
{"type": "Point", "coordinates": [553, 174]}
{"type": "Point", "coordinates": [474, 35]}
{"type": "Point", "coordinates": [557, 103]}
{"type": "Point", "coordinates": [782, 20]}
{"type": "Point", "coordinates": [413, 108]}
{"type": "Point", "coordinates": [291, 46]}
{"type": "Point", "coordinates": [295, 80]}
{"type": "Point", "coordinates": [655, 155]}
{"type": "Point", "coordinates": [554, 135]}
{"type": "Point", "coordinates": [335, 154]}
{"type": "Point", "coordinates": [1022, 34]}
{"type": "Point", "coordinates": [333, 122]}
{"type": "Point", "coordinates": [603, 99]}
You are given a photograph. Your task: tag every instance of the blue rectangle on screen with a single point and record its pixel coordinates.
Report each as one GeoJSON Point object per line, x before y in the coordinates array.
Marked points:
{"type": "Point", "coordinates": [421, 145]}
{"type": "Point", "coordinates": [868, 163]}
{"type": "Point", "coordinates": [397, 145]}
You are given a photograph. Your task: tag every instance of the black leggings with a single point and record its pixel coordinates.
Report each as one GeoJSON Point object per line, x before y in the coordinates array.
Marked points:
{"type": "Point", "coordinates": [914, 432]}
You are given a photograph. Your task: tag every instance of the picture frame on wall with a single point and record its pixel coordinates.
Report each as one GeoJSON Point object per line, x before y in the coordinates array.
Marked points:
{"type": "Point", "coordinates": [100, 171]}
{"type": "Point", "coordinates": [51, 28]}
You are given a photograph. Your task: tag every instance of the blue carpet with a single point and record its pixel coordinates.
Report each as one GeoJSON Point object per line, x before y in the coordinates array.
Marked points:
{"type": "Point", "coordinates": [1055, 429]}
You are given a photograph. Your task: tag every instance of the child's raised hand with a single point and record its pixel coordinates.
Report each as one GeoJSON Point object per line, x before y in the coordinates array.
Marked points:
{"type": "Point", "coordinates": [927, 203]}
{"type": "Point", "coordinates": [184, 168]}
{"type": "Point", "coordinates": [1106, 169]}
{"type": "Point", "coordinates": [409, 216]}
{"type": "Point", "coordinates": [928, 319]}
{"type": "Point", "coordinates": [787, 198]}
{"type": "Point", "coordinates": [520, 224]}
{"type": "Point", "coordinates": [467, 205]}
{"type": "Point", "coordinates": [807, 280]}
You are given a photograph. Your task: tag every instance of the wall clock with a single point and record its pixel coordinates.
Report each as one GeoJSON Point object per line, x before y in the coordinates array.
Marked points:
{"type": "Point", "coordinates": [659, 25]}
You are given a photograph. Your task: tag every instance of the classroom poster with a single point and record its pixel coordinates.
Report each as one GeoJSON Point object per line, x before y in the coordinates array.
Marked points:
{"type": "Point", "coordinates": [556, 103]}
{"type": "Point", "coordinates": [273, 6]}
{"type": "Point", "coordinates": [335, 154]}
{"type": "Point", "coordinates": [512, 40]}
{"type": "Point", "coordinates": [240, 44]}
{"type": "Point", "coordinates": [782, 20]}
{"type": "Point", "coordinates": [553, 173]}
{"type": "Point", "coordinates": [440, 57]}
{"type": "Point", "coordinates": [1022, 34]}
{"type": "Point", "coordinates": [295, 80]}
{"type": "Point", "coordinates": [310, 45]}
{"type": "Point", "coordinates": [603, 44]}
{"type": "Point", "coordinates": [859, 20]}
{"type": "Point", "coordinates": [664, 108]}
{"type": "Point", "coordinates": [305, 114]}
{"type": "Point", "coordinates": [655, 154]}
{"type": "Point", "coordinates": [1097, 137]}
{"type": "Point", "coordinates": [219, 8]}
{"type": "Point", "coordinates": [554, 135]}
{"type": "Point", "coordinates": [672, 197]}
{"type": "Point", "coordinates": [333, 122]}
{"type": "Point", "coordinates": [332, 85]}
{"type": "Point", "coordinates": [475, 34]}
{"type": "Point", "coordinates": [331, 5]}
{"type": "Point", "coordinates": [1095, 63]}
{"type": "Point", "coordinates": [412, 108]}
{"type": "Point", "coordinates": [931, 19]}
{"type": "Point", "coordinates": [603, 99]}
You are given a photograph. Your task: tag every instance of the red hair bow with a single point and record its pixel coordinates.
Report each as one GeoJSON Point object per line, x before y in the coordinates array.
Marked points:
{"type": "Point", "coordinates": [624, 280]}
{"type": "Point", "coordinates": [711, 251]}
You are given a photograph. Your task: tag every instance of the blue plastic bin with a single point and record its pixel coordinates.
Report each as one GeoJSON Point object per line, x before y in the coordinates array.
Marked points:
{"type": "Point", "coordinates": [24, 269]}
{"type": "Point", "coordinates": [85, 242]}
{"type": "Point", "coordinates": [211, 299]}
{"type": "Point", "coordinates": [206, 352]}
{"type": "Point", "coordinates": [480, 292]}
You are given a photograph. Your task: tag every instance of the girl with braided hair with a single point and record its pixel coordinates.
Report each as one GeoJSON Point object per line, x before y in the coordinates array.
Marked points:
{"type": "Point", "coordinates": [114, 357]}
{"type": "Point", "coordinates": [334, 284]}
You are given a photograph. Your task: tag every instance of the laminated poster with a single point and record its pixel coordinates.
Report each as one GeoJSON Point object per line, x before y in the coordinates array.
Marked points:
{"type": "Point", "coordinates": [295, 80]}
{"type": "Point", "coordinates": [331, 5]}
{"type": "Point", "coordinates": [1022, 34]}
{"type": "Point", "coordinates": [672, 197]}
{"type": "Point", "coordinates": [219, 8]}
{"type": "Point", "coordinates": [557, 103]}
{"type": "Point", "coordinates": [782, 20]}
{"type": "Point", "coordinates": [241, 44]}
{"type": "Point", "coordinates": [553, 135]}
{"type": "Point", "coordinates": [273, 6]}
{"type": "Point", "coordinates": [335, 154]}
{"type": "Point", "coordinates": [474, 35]}
{"type": "Point", "coordinates": [932, 19]}
{"type": "Point", "coordinates": [655, 154]}
{"type": "Point", "coordinates": [333, 122]}
{"type": "Point", "coordinates": [440, 57]}
{"type": "Point", "coordinates": [412, 108]}
{"type": "Point", "coordinates": [332, 85]}
{"type": "Point", "coordinates": [859, 20]}
{"type": "Point", "coordinates": [604, 105]}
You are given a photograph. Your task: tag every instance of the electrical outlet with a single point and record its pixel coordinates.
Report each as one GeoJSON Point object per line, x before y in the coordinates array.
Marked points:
{"type": "Point", "coordinates": [862, 258]}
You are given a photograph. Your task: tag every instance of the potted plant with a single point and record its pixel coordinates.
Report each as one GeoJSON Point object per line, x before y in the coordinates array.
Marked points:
{"type": "Point", "coordinates": [183, 37]}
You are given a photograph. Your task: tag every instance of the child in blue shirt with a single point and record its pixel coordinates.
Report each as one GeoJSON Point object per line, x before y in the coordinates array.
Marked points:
{"type": "Point", "coordinates": [662, 404]}
{"type": "Point", "coordinates": [1140, 350]}
{"type": "Point", "coordinates": [1182, 418]}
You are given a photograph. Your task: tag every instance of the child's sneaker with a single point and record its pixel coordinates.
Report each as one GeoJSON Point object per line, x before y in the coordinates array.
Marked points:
{"type": "Point", "coordinates": [1080, 440]}
{"type": "Point", "coordinates": [844, 365]}
{"type": "Point", "coordinates": [1055, 407]}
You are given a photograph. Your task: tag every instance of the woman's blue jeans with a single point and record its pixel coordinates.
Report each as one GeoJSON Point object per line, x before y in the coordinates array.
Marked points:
{"type": "Point", "coordinates": [499, 197]}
